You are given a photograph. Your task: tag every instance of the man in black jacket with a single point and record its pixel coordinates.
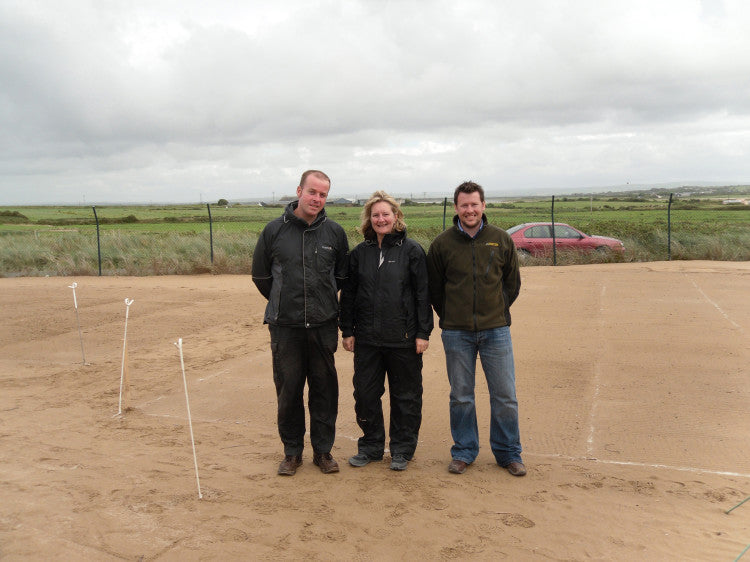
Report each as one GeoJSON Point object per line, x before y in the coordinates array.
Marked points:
{"type": "Point", "coordinates": [299, 264]}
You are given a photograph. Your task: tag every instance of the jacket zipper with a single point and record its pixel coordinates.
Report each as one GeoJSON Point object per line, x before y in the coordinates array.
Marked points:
{"type": "Point", "coordinates": [304, 275]}
{"type": "Point", "coordinates": [474, 278]}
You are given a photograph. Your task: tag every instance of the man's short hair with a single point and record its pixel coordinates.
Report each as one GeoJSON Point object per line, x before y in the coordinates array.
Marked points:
{"type": "Point", "coordinates": [468, 187]}
{"type": "Point", "coordinates": [317, 173]}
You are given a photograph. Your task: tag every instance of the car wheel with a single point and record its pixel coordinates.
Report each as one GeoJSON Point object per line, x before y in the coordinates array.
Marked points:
{"type": "Point", "coordinates": [523, 254]}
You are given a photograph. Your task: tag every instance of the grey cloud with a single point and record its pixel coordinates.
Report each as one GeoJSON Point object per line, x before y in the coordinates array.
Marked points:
{"type": "Point", "coordinates": [185, 96]}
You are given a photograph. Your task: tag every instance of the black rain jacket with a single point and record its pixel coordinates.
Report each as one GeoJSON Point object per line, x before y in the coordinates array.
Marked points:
{"type": "Point", "coordinates": [299, 268]}
{"type": "Point", "coordinates": [387, 305]}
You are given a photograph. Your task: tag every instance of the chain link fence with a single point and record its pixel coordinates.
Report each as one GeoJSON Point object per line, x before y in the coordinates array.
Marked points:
{"type": "Point", "coordinates": [661, 228]}
{"type": "Point", "coordinates": [214, 238]}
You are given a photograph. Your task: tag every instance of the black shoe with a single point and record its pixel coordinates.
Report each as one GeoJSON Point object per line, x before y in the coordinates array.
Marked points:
{"type": "Point", "coordinates": [360, 459]}
{"type": "Point", "coordinates": [399, 462]}
{"type": "Point", "coordinates": [289, 465]}
{"type": "Point", "coordinates": [325, 462]}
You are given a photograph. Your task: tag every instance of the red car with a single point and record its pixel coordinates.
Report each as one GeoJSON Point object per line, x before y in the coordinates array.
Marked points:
{"type": "Point", "coordinates": [535, 239]}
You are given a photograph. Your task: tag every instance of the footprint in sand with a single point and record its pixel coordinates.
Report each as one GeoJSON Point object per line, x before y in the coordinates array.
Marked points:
{"type": "Point", "coordinates": [517, 520]}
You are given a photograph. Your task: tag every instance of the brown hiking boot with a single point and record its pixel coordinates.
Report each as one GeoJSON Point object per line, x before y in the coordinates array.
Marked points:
{"type": "Point", "coordinates": [289, 465]}
{"type": "Point", "coordinates": [457, 467]}
{"type": "Point", "coordinates": [516, 468]}
{"type": "Point", "coordinates": [325, 462]}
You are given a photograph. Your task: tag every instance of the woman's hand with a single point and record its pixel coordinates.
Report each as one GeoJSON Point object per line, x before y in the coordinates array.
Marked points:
{"type": "Point", "coordinates": [348, 343]}
{"type": "Point", "coordinates": [422, 345]}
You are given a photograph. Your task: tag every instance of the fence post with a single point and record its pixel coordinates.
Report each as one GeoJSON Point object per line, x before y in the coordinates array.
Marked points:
{"type": "Point", "coordinates": [445, 210]}
{"type": "Point", "coordinates": [554, 244]}
{"type": "Point", "coordinates": [669, 228]}
{"type": "Point", "coordinates": [210, 232]}
{"type": "Point", "coordinates": [98, 241]}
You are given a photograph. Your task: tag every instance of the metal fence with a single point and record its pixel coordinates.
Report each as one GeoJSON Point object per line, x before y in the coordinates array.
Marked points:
{"type": "Point", "coordinates": [662, 228]}
{"type": "Point", "coordinates": [206, 238]}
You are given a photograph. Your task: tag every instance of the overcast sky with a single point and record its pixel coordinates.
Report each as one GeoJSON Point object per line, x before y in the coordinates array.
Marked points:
{"type": "Point", "coordinates": [183, 101]}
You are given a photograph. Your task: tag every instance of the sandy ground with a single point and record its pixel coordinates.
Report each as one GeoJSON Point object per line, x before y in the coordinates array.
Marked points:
{"type": "Point", "coordinates": [634, 394]}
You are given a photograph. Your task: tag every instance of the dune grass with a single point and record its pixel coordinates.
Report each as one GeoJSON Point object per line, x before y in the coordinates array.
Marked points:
{"type": "Point", "coordinates": [123, 253]}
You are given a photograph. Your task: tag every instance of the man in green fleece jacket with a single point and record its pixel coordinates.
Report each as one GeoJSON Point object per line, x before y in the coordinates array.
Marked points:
{"type": "Point", "coordinates": [474, 277]}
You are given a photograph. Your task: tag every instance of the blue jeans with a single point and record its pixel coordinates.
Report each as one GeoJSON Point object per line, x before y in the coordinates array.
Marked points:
{"type": "Point", "coordinates": [495, 351]}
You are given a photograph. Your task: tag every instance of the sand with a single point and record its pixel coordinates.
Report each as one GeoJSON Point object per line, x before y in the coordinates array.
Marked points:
{"type": "Point", "coordinates": [634, 394]}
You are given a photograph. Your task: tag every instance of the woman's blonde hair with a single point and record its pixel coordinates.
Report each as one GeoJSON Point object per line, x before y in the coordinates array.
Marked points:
{"type": "Point", "coordinates": [377, 197]}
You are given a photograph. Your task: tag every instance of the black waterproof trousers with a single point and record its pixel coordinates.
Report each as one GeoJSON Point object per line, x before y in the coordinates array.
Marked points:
{"type": "Point", "coordinates": [305, 355]}
{"type": "Point", "coordinates": [404, 369]}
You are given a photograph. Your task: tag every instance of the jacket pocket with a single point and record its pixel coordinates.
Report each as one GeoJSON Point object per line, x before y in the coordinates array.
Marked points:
{"type": "Point", "coordinates": [490, 263]}
{"type": "Point", "coordinates": [325, 258]}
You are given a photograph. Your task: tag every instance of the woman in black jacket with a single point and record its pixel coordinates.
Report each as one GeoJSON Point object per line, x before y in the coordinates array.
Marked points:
{"type": "Point", "coordinates": [386, 321]}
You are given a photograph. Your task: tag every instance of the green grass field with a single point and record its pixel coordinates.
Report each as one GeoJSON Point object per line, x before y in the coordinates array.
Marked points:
{"type": "Point", "coordinates": [174, 239]}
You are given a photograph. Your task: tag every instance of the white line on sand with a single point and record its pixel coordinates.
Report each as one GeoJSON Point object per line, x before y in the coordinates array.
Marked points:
{"type": "Point", "coordinates": [643, 464]}
{"type": "Point", "coordinates": [209, 377]}
{"type": "Point", "coordinates": [592, 412]}
{"type": "Point", "coordinates": [597, 373]}
{"type": "Point", "coordinates": [717, 307]}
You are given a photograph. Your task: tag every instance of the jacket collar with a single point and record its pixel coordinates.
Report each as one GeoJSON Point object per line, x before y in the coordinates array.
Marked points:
{"type": "Point", "coordinates": [395, 238]}
{"type": "Point", "coordinates": [457, 225]}
{"type": "Point", "coordinates": [289, 216]}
